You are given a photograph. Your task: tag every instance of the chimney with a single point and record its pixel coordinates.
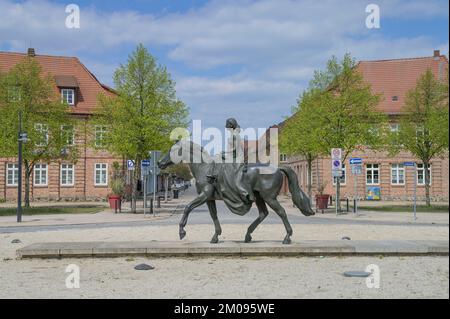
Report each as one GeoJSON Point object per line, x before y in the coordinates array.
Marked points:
{"type": "Point", "coordinates": [437, 53]}
{"type": "Point", "coordinates": [31, 52]}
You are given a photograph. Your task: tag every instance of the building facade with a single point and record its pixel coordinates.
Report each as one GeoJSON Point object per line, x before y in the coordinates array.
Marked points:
{"type": "Point", "coordinates": [384, 177]}
{"type": "Point", "coordinates": [87, 178]}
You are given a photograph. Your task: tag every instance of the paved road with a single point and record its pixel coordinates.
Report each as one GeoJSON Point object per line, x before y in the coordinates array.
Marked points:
{"type": "Point", "coordinates": [201, 216]}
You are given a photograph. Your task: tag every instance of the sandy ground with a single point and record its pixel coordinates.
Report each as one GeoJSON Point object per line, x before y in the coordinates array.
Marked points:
{"type": "Point", "coordinates": [400, 277]}
{"type": "Point", "coordinates": [258, 277]}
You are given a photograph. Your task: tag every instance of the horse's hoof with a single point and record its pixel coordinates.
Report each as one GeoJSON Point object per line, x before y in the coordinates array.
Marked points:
{"type": "Point", "coordinates": [182, 234]}
{"type": "Point", "coordinates": [214, 240]}
{"type": "Point", "coordinates": [286, 241]}
{"type": "Point", "coordinates": [248, 238]}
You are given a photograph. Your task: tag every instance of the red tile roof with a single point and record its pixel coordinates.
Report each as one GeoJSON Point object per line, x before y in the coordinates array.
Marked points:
{"type": "Point", "coordinates": [59, 66]}
{"type": "Point", "coordinates": [397, 77]}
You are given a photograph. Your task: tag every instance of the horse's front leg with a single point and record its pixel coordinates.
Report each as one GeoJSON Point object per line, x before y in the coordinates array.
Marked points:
{"type": "Point", "coordinates": [200, 200]}
{"type": "Point", "coordinates": [213, 212]}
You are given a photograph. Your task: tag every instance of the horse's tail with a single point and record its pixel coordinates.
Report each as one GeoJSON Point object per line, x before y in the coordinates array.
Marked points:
{"type": "Point", "coordinates": [299, 198]}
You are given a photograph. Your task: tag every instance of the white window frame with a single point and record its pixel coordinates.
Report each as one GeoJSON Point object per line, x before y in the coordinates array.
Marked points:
{"type": "Point", "coordinates": [100, 131]}
{"type": "Point", "coordinates": [65, 97]}
{"type": "Point", "coordinates": [38, 171]}
{"type": "Point", "coordinates": [372, 169]}
{"type": "Point", "coordinates": [423, 173]}
{"type": "Point", "coordinates": [396, 168]}
{"type": "Point", "coordinates": [65, 129]}
{"type": "Point", "coordinates": [42, 129]}
{"type": "Point", "coordinates": [343, 176]}
{"type": "Point", "coordinates": [14, 94]}
{"type": "Point", "coordinates": [12, 168]}
{"type": "Point", "coordinates": [67, 168]}
{"type": "Point", "coordinates": [102, 167]}
{"type": "Point", "coordinates": [394, 127]}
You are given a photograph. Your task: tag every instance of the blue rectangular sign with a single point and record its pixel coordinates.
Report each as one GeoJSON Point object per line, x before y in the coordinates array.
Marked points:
{"type": "Point", "coordinates": [355, 160]}
{"type": "Point", "coordinates": [409, 164]}
{"type": "Point", "coordinates": [145, 163]}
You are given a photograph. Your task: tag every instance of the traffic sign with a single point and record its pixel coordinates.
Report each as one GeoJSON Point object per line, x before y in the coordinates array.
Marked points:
{"type": "Point", "coordinates": [409, 164]}
{"type": "Point", "coordinates": [355, 161]}
{"type": "Point", "coordinates": [336, 173]}
{"type": "Point", "coordinates": [145, 163]}
{"type": "Point", "coordinates": [145, 167]}
{"type": "Point", "coordinates": [130, 165]}
{"type": "Point", "coordinates": [337, 164]}
{"type": "Point", "coordinates": [356, 169]}
{"type": "Point", "coordinates": [336, 153]}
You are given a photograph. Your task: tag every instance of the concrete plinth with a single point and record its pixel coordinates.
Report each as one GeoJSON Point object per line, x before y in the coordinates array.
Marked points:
{"type": "Point", "coordinates": [262, 248]}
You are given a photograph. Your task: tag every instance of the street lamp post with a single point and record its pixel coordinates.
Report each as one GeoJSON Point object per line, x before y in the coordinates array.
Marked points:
{"type": "Point", "coordinates": [21, 140]}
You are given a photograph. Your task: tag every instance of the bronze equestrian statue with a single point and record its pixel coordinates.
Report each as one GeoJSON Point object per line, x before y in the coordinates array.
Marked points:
{"type": "Point", "coordinates": [237, 183]}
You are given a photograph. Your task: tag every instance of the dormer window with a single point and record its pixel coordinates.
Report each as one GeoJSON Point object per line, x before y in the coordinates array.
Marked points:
{"type": "Point", "coordinates": [68, 85]}
{"type": "Point", "coordinates": [68, 96]}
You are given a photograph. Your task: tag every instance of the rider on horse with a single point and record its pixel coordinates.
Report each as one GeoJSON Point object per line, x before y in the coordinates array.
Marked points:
{"type": "Point", "coordinates": [232, 173]}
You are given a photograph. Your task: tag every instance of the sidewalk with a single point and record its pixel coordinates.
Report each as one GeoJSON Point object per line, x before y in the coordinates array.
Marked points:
{"type": "Point", "coordinates": [106, 216]}
{"type": "Point", "coordinates": [375, 203]}
{"type": "Point", "coordinates": [438, 218]}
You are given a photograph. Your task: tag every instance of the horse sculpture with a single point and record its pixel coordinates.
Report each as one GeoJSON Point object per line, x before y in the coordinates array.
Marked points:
{"type": "Point", "coordinates": [265, 187]}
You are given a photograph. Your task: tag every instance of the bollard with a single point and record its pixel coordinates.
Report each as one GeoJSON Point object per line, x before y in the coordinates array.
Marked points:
{"type": "Point", "coordinates": [117, 205]}
{"type": "Point", "coordinates": [347, 206]}
{"type": "Point", "coordinates": [158, 202]}
{"type": "Point", "coordinates": [151, 205]}
{"type": "Point", "coordinates": [354, 205]}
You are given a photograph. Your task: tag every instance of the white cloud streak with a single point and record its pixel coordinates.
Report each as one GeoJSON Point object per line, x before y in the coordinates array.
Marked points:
{"type": "Point", "coordinates": [273, 46]}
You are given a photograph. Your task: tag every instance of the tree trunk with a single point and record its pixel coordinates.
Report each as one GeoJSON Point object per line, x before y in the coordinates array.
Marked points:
{"type": "Point", "coordinates": [427, 183]}
{"type": "Point", "coordinates": [310, 179]}
{"type": "Point", "coordinates": [28, 172]}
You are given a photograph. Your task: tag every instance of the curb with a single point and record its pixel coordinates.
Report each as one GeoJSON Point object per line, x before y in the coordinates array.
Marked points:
{"type": "Point", "coordinates": [204, 249]}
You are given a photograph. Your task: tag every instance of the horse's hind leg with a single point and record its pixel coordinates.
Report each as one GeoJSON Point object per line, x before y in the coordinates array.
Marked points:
{"type": "Point", "coordinates": [213, 212]}
{"type": "Point", "coordinates": [275, 205]}
{"type": "Point", "coordinates": [263, 212]}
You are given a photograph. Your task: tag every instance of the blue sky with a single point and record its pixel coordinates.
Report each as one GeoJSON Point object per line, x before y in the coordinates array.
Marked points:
{"type": "Point", "coordinates": [242, 58]}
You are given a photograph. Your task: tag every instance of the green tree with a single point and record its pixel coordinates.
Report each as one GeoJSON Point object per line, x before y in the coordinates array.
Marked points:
{"type": "Point", "coordinates": [299, 136]}
{"type": "Point", "coordinates": [46, 120]}
{"type": "Point", "coordinates": [423, 129]}
{"type": "Point", "coordinates": [340, 112]}
{"type": "Point", "coordinates": [142, 115]}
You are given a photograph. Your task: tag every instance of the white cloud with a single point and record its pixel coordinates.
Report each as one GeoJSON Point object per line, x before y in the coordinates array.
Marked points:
{"type": "Point", "coordinates": [274, 46]}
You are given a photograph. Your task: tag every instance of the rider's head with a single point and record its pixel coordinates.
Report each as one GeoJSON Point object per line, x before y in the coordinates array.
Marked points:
{"type": "Point", "coordinates": [232, 123]}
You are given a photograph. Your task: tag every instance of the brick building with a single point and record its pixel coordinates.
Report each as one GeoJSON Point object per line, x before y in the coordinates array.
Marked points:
{"type": "Point", "coordinates": [385, 177]}
{"type": "Point", "coordinates": [87, 178]}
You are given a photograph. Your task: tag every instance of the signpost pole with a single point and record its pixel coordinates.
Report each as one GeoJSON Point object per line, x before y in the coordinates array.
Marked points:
{"type": "Point", "coordinates": [415, 191]}
{"type": "Point", "coordinates": [356, 164]}
{"type": "Point", "coordinates": [19, 181]}
{"type": "Point", "coordinates": [144, 180]}
{"type": "Point", "coordinates": [414, 166]}
{"type": "Point", "coordinates": [336, 198]}
{"type": "Point", "coordinates": [154, 184]}
{"type": "Point", "coordinates": [166, 186]}
{"type": "Point", "coordinates": [336, 170]}
{"type": "Point", "coordinates": [356, 193]}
